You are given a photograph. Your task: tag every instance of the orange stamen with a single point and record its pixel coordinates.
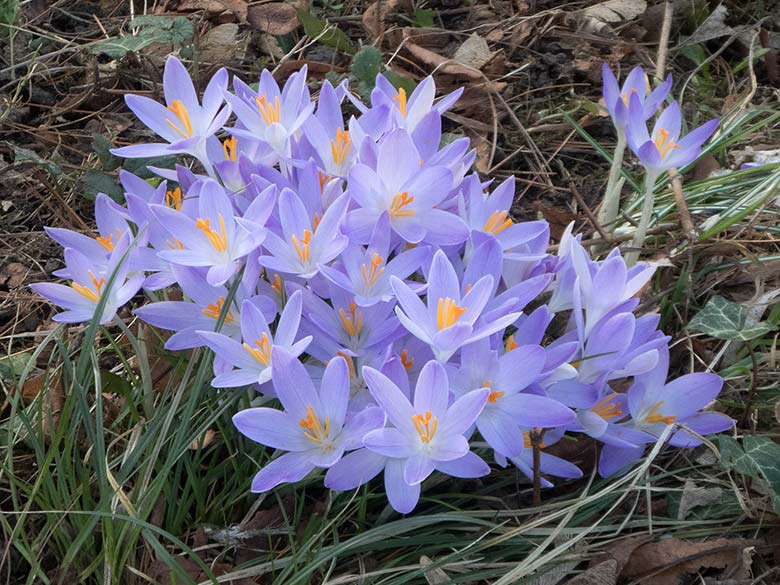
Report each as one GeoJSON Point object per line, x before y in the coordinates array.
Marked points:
{"type": "Point", "coordinates": [339, 148]}
{"type": "Point", "coordinates": [399, 202]}
{"type": "Point", "coordinates": [302, 246]}
{"type": "Point", "coordinates": [400, 97]}
{"type": "Point", "coordinates": [85, 291]}
{"type": "Point", "coordinates": [262, 353]}
{"type": "Point", "coordinates": [497, 223]}
{"type": "Point", "coordinates": [174, 199]}
{"type": "Point", "coordinates": [352, 320]}
{"type": "Point", "coordinates": [426, 426]}
{"type": "Point", "coordinates": [177, 107]}
{"type": "Point", "coordinates": [607, 409]}
{"type": "Point", "coordinates": [654, 416]}
{"type": "Point", "coordinates": [270, 112]}
{"type": "Point", "coordinates": [408, 362]}
{"type": "Point", "coordinates": [314, 430]}
{"type": "Point", "coordinates": [663, 143]}
{"type": "Point", "coordinates": [372, 274]}
{"type": "Point", "coordinates": [229, 147]}
{"type": "Point", "coordinates": [213, 310]}
{"type": "Point", "coordinates": [448, 313]}
{"type": "Point", "coordinates": [218, 240]}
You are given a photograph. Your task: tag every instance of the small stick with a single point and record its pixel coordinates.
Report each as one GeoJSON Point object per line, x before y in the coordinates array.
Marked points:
{"type": "Point", "coordinates": [574, 191]}
{"type": "Point", "coordinates": [679, 198]}
{"type": "Point", "coordinates": [663, 42]}
{"type": "Point", "coordinates": [536, 436]}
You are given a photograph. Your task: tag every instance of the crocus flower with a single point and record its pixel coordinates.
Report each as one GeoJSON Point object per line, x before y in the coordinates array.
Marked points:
{"type": "Point", "coordinates": [90, 285]}
{"type": "Point", "coordinates": [313, 427]}
{"type": "Point", "coordinates": [408, 111]}
{"type": "Point", "coordinates": [304, 246]}
{"type": "Point", "coordinates": [252, 358]}
{"type": "Point", "coordinates": [636, 84]}
{"type": "Point", "coordinates": [407, 192]}
{"type": "Point", "coordinates": [508, 408]}
{"type": "Point", "coordinates": [448, 322]}
{"type": "Point", "coordinates": [548, 464]}
{"type": "Point", "coordinates": [428, 434]}
{"type": "Point", "coordinates": [184, 123]}
{"type": "Point", "coordinates": [664, 149]}
{"type": "Point", "coordinates": [269, 114]}
{"type": "Point", "coordinates": [366, 272]}
{"type": "Point", "coordinates": [654, 404]}
{"type": "Point", "coordinates": [215, 238]}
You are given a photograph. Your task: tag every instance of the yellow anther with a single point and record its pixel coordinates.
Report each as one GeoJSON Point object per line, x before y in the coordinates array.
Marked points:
{"type": "Point", "coordinates": [339, 148]}
{"type": "Point", "coordinates": [372, 273]}
{"type": "Point", "coordinates": [177, 107]}
{"type": "Point", "coordinates": [654, 416]}
{"type": "Point", "coordinates": [218, 240]}
{"type": "Point", "coordinates": [315, 431]}
{"type": "Point", "coordinates": [176, 244]}
{"type": "Point", "coordinates": [87, 292]}
{"type": "Point", "coordinates": [494, 394]}
{"type": "Point", "coordinates": [625, 96]}
{"type": "Point", "coordinates": [352, 320]}
{"type": "Point", "coordinates": [270, 112]}
{"type": "Point", "coordinates": [664, 143]}
{"type": "Point", "coordinates": [174, 199]}
{"type": "Point", "coordinates": [527, 443]}
{"type": "Point", "coordinates": [302, 246]}
{"type": "Point", "coordinates": [607, 409]}
{"type": "Point", "coordinates": [323, 179]}
{"type": "Point", "coordinates": [447, 313]}
{"type": "Point", "coordinates": [315, 222]}
{"type": "Point", "coordinates": [426, 425]}
{"type": "Point", "coordinates": [262, 353]}
{"type": "Point", "coordinates": [400, 97]}
{"type": "Point", "coordinates": [406, 360]}
{"type": "Point", "coordinates": [276, 285]}
{"type": "Point", "coordinates": [399, 203]}
{"type": "Point", "coordinates": [229, 147]}
{"type": "Point", "coordinates": [497, 223]}
{"type": "Point", "coordinates": [213, 310]}
{"type": "Point", "coordinates": [350, 364]}
{"type": "Point", "coordinates": [106, 242]}
{"type": "Point", "coordinates": [510, 344]}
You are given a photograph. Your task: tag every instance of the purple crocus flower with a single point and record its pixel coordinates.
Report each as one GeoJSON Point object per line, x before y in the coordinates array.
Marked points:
{"type": "Point", "coordinates": [269, 114]}
{"type": "Point", "coordinates": [90, 284]}
{"type": "Point", "coordinates": [304, 246]}
{"type": "Point", "coordinates": [617, 99]}
{"type": "Point", "coordinates": [407, 112]}
{"type": "Point", "coordinates": [185, 123]}
{"type": "Point", "coordinates": [665, 149]}
{"type": "Point", "coordinates": [654, 404]}
{"type": "Point", "coordinates": [427, 435]}
{"type": "Point", "coordinates": [252, 358]}
{"type": "Point", "coordinates": [450, 320]}
{"type": "Point", "coordinates": [313, 427]}
{"type": "Point", "coordinates": [215, 238]}
{"type": "Point", "coordinates": [548, 464]}
{"type": "Point", "coordinates": [508, 408]}
{"type": "Point", "coordinates": [407, 192]}
{"type": "Point", "coordinates": [366, 272]}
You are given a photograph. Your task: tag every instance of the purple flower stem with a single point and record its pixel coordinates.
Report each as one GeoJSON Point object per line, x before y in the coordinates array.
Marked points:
{"type": "Point", "coordinates": [609, 208]}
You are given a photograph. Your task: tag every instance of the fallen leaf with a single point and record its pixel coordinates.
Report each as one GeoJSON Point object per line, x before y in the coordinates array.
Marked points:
{"type": "Point", "coordinates": [474, 52]}
{"type": "Point", "coordinates": [558, 219]}
{"type": "Point", "coordinates": [433, 576]}
{"type": "Point", "coordinates": [238, 7]}
{"type": "Point", "coordinates": [377, 14]}
{"type": "Point", "coordinates": [713, 27]}
{"type": "Point", "coordinates": [210, 7]}
{"type": "Point", "coordinates": [613, 11]}
{"type": "Point", "coordinates": [204, 441]}
{"type": "Point", "coordinates": [276, 18]}
{"type": "Point", "coordinates": [220, 45]}
{"type": "Point", "coordinates": [620, 551]}
{"type": "Point", "coordinates": [694, 496]}
{"type": "Point", "coordinates": [605, 573]}
{"type": "Point", "coordinates": [669, 560]}
{"type": "Point", "coordinates": [13, 274]}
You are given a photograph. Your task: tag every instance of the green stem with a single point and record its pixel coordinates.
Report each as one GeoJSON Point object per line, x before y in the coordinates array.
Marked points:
{"type": "Point", "coordinates": [139, 347]}
{"type": "Point", "coordinates": [644, 221]}
{"type": "Point", "coordinates": [609, 208]}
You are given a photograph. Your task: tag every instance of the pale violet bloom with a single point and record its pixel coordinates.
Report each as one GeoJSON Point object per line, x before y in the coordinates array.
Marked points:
{"type": "Point", "coordinates": [408, 111]}
{"type": "Point", "coordinates": [314, 427]}
{"type": "Point", "coordinates": [617, 98]}
{"type": "Point", "coordinates": [449, 319]}
{"type": "Point", "coordinates": [426, 435]}
{"type": "Point", "coordinates": [252, 358]}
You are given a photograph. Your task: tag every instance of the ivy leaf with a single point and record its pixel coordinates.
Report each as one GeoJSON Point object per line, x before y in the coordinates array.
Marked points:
{"type": "Point", "coordinates": [147, 29]}
{"type": "Point", "coordinates": [366, 65]}
{"type": "Point", "coordinates": [726, 320]}
{"type": "Point", "coordinates": [328, 34]}
{"type": "Point", "coordinates": [758, 457]}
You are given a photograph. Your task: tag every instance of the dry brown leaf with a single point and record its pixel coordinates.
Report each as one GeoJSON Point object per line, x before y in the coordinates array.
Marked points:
{"type": "Point", "coordinates": [443, 66]}
{"type": "Point", "coordinates": [474, 52]}
{"type": "Point", "coordinates": [615, 11]}
{"type": "Point", "coordinates": [238, 7]}
{"type": "Point", "coordinates": [671, 559]}
{"type": "Point", "coordinates": [605, 573]}
{"type": "Point", "coordinates": [220, 44]}
{"type": "Point", "coordinates": [694, 496]}
{"type": "Point", "coordinates": [376, 15]}
{"type": "Point", "coordinates": [276, 18]}
{"type": "Point", "coordinates": [210, 7]}
{"type": "Point", "coordinates": [557, 218]}
{"type": "Point", "coordinates": [204, 441]}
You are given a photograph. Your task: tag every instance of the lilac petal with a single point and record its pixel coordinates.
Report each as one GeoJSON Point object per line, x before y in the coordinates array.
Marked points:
{"type": "Point", "coordinates": [449, 339]}
{"type": "Point", "coordinates": [699, 136]}
{"type": "Point", "coordinates": [573, 393]}
{"type": "Point", "coordinates": [240, 378]}
{"type": "Point", "coordinates": [153, 115]}
{"type": "Point", "coordinates": [64, 296]}
{"type": "Point", "coordinates": [444, 228]}
{"type": "Point", "coordinates": [360, 424]}
{"type": "Point", "coordinates": [172, 315]}
{"type": "Point", "coordinates": [293, 385]}
{"type": "Point", "coordinates": [354, 469]}
{"type": "Point", "coordinates": [688, 394]}
{"type": "Point", "coordinates": [429, 186]}
{"type": "Point", "coordinates": [432, 392]}
{"type": "Point", "coordinates": [417, 468]}
{"type": "Point", "coordinates": [649, 156]}
{"type": "Point", "coordinates": [409, 302]}
{"type": "Point", "coordinates": [290, 320]}
{"type": "Point", "coordinates": [614, 459]}
{"type": "Point", "coordinates": [292, 215]}
{"type": "Point", "coordinates": [272, 428]}
{"type": "Point", "coordinates": [520, 367]}
{"type": "Point", "coordinates": [402, 496]}
{"type": "Point", "coordinates": [594, 425]}
{"type": "Point", "coordinates": [469, 466]}
{"type": "Point", "coordinates": [177, 84]}
{"type": "Point", "coordinates": [501, 433]}
{"type": "Point", "coordinates": [389, 442]}
{"type": "Point", "coordinates": [704, 423]}
{"type": "Point", "coordinates": [558, 467]}
{"type": "Point", "coordinates": [610, 90]}
{"type": "Point", "coordinates": [334, 391]}
{"type": "Point", "coordinates": [462, 414]}
{"type": "Point", "coordinates": [219, 274]}
{"type": "Point", "coordinates": [230, 350]}
{"type": "Point", "coordinates": [669, 120]}
{"type": "Point", "coordinates": [529, 410]}
{"type": "Point", "coordinates": [442, 281]}
{"type": "Point", "coordinates": [289, 468]}
{"type": "Point", "coordinates": [391, 399]}
{"type": "Point", "coordinates": [636, 82]}
{"type": "Point", "coordinates": [449, 447]}
{"type": "Point", "coordinates": [398, 160]}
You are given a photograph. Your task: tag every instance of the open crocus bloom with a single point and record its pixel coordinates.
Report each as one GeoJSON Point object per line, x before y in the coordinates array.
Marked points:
{"type": "Point", "coordinates": [636, 84]}
{"type": "Point", "coordinates": [664, 148]}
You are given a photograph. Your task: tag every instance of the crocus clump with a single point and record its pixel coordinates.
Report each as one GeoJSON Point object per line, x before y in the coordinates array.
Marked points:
{"type": "Point", "coordinates": [378, 291]}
